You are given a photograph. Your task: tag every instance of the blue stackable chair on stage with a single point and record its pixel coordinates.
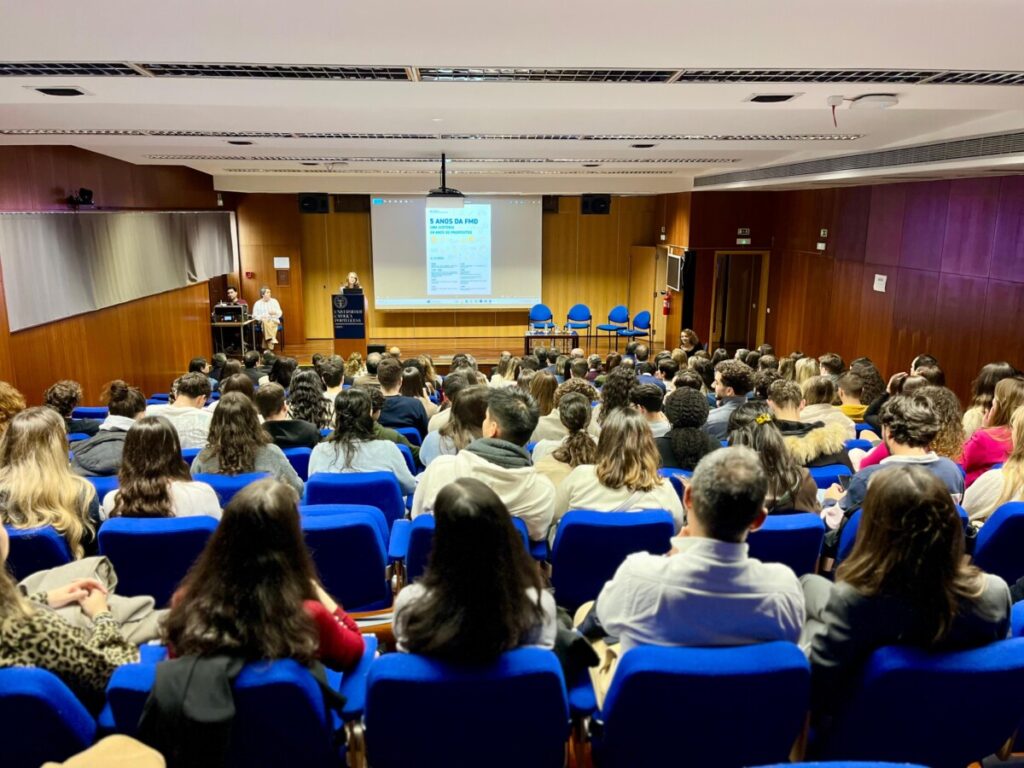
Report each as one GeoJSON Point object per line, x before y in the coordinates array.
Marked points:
{"type": "Point", "coordinates": [641, 326]}
{"type": "Point", "coordinates": [411, 434]}
{"type": "Point", "coordinates": [375, 489]}
{"type": "Point", "coordinates": [152, 555]}
{"type": "Point", "coordinates": [618, 319]}
{"type": "Point", "coordinates": [41, 720]}
{"type": "Point", "coordinates": [541, 318]}
{"type": "Point", "coordinates": [299, 459]}
{"type": "Point", "coordinates": [350, 555]}
{"type": "Point", "coordinates": [590, 546]}
{"type": "Point", "coordinates": [227, 486]}
{"type": "Point", "coordinates": [794, 540]}
{"type": "Point", "coordinates": [1000, 543]}
{"type": "Point", "coordinates": [909, 706]}
{"type": "Point", "coordinates": [98, 412]}
{"type": "Point", "coordinates": [639, 722]}
{"type": "Point", "coordinates": [509, 714]}
{"type": "Point", "coordinates": [35, 549]}
{"type": "Point", "coordinates": [580, 318]}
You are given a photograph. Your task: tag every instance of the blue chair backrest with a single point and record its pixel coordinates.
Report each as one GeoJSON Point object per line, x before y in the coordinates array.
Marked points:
{"type": "Point", "coordinates": [163, 397]}
{"type": "Point", "coordinates": [40, 719]}
{"type": "Point", "coordinates": [619, 315]}
{"type": "Point", "coordinates": [98, 412]}
{"type": "Point", "coordinates": [35, 549]}
{"type": "Point", "coordinates": [858, 428]}
{"type": "Point", "coordinates": [642, 321]}
{"type": "Point", "coordinates": [908, 706]}
{"type": "Point", "coordinates": [1000, 543]}
{"type": "Point", "coordinates": [152, 555]}
{"type": "Point", "coordinates": [227, 486]}
{"type": "Point", "coordinates": [640, 714]}
{"type": "Point", "coordinates": [350, 555]}
{"type": "Point", "coordinates": [412, 704]}
{"type": "Point", "coordinates": [411, 434]}
{"type": "Point", "coordinates": [77, 437]}
{"type": "Point", "coordinates": [829, 474]}
{"type": "Point", "coordinates": [848, 536]}
{"type": "Point", "coordinates": [280, 717]}
{"type": "Point", "coordinates": [376, 489]}
{"type": "Point", "coordinates": [410, 460]}
{"type": "Point", "coordinates": [421, 541]}
{"type": "Point", "coordinates": [590, 546]}
{"type": "Point", "coordinates": [864, 445]}
{"type": "Point", "coordinates": [299, 459]}
{"type": "Point", "coordinates": [104, 485]}
{"type": "Point", "coordinates": [579, 313]}
{"type": "Point", "coordinates": [794, 540]}
{"type": "Point", "coordinates": [189, 454]}
{"type": "Point", "coordinates": [313, 510]}
{"type": "Point", "coordinates": [540, 313]}
{"type": "Point", "coordinates": [675, 476]}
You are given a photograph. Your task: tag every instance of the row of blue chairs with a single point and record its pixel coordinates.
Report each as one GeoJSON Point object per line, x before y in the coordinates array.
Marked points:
{"type": "Point", "coordinates": [580, 318]}
{"type": "Point", "coordinates": [727, 707]}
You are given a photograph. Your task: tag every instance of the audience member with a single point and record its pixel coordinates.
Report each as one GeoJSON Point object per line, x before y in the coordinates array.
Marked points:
{"type": "Point", "coordinates": [787, 369]}
{"type": "Point", "coordinates": [850, 386]}
{"type": "Point", "coordinates": [154, 480]}
{"type": "Point", "coordinates": [873, 385]}
{"type": "Point", "coordinates": [464, 426]}
{"type": "Point", "coordinates": [932, 374]}
{"type": "Point", "coordinates": [399, 410]}
{"type": "Point", "coordinates": [790, 486]}
{"type": "Point", "coordinates": [285, 431]}
{"type": "Point", "coordinates": [689, 341]}
{"type": "Point", "coordinates": [373, 360]}
{"type": "Point", "coordinates": [624, 477]}
{"type": "Point", "coordinates": [37, 486]}
{"type": "Point", "coordinates": [413, 386]}
{"type": "Point", "coordinates": [253, 593]}
{"type": "Point", "coordinates": [333, 376]}
{"type": "Point", "coordinates": [251, 369]}
{"type": "Point", "coordinates": [32, 634]}
{"type": "Point", "coordinates": [234, 383]}
{"type": "Point", "coordinates": [542, 390]}
{"type": "Point", "coordinates": [430, 378]}
{"type": "Point", "coordinates": [351, 369]}
{"type": "Point", "coordinates": [557, 458]}
{"type": "Point", "coordinates": [578, 369]}
{"type": "Point", "coordinates": [923, 361]}
{"type": "Point", "coordinates": [281, 372]}
{"type": "Point", "coordinates": [482, 594]}
{"type": "Point", "coordinates": [706, 370]}
{"type": "Point", "coordinates": [500, 460]}
{"type": "Point", "coordinates": [593, 367]}
{"type": "Point", "coordinates": [64, 397]}
{"type": "Point", "coordinates": [1000, 484]}
{"type": "Point", "coordinates": [101, 454]}
{"type": "Point", "coordinates": [201, 365]}
{"type": "Point", "coordinates": [306, 401]}
{"type": "Point", "coordinates": [753, 360]}
{"type": "Point", "coordinates": [450, 387]}
{"type": "Point", "coordinates": [983, 390]}
{"type": "Point", "coordinates": [550, 430]}
{"type": "Point", "coordinates": [506, 373]}
{"type": "Point", "coordinates": [12, 402]}
{"type": "Point", "coordinates": [707, 591]}
{"type": "Point", "coordinates": [831, 365]}
{"type": "Point", "coordinates": [385, 433]}
{"type": "Point", "coordinates": [768, 363]}
{"type": "Point", "coordinates": [733, 380]}
{"type": "Point", "coordinates": [949, 441]}
{"type": "Point", "coordinates": [814, 444]}
{"type": "Point", "coordinates": [615, 393]}
{"type": "Point", "coordinates": [353, 446]}
{"type": "Point", "coordinates": [806, 368]}
{"type": "Point", "coordinates": [991, 444]}
{"type": "Point", "coordinates": [238, 445]}
{"type": "Point", "coordinates": [905, 583]}
{"type": "Point", "coordinates": [186, 412]}
{"type": "Point", "coordinates": [686, 443]}
{"type": "Point", "coordinates": [819, 392]}
{"type": "Point", "coordinates": [718, 356]}
{"type": "Point", "coordinates": [647, 399]}
{"type": "Point", "coordinates": [762, 382]}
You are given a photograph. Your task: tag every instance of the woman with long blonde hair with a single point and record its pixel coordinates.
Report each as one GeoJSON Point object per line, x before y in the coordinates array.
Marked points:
{"type": "Point", "coordinates": [998, 486]}
{"type": "Point", "coordinates": [992, 443]}
{"type": "Point", "coordinates": [806, 368]}
{"type": "Point", "coordinates": [625, 476]}
{"type": "Point", "coordinates": [12, 402]}
{"type": "Point", "coordinates": [37, 486]}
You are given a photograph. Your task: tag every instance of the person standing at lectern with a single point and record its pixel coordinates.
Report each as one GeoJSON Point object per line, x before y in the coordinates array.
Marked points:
{"type": "Point", "coordinates": [352, 284]}
{"type": "Point", "coordinates": [268, 311]}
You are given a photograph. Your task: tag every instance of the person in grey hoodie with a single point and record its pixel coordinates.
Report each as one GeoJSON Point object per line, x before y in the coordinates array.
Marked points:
{"type": "Point", "coordinates": [100, 455]}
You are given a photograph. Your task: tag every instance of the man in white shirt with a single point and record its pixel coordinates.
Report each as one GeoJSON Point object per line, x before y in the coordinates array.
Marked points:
{"type": "Point", "coordinates": [267, 310]}
{"type": "Point", "coordinates": [707, 591]}
{"type": "Point", "coordinates": [186, 412]}
{"type": "Point", "coordinates": [648, 400]}
{"type": "Point", "coordinates": [500, 460]}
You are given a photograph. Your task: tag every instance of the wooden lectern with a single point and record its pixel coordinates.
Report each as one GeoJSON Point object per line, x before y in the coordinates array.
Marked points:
{"type": "Point", "coordinates": [348, 312]}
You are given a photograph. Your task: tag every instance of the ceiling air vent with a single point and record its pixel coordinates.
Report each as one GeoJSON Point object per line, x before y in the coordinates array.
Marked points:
{"type": "Point", "coordinates": [544, 75]}
{"type": "Point", "coordinates": [276, 71]}
{"type": "Point", "coordinates": [63, 91]}
{"type": "Point", "coordinates": [66, 69]}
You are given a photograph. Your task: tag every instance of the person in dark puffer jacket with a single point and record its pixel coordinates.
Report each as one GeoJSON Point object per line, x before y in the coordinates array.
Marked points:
{"type": "Point", "coordinates": [100, 455]}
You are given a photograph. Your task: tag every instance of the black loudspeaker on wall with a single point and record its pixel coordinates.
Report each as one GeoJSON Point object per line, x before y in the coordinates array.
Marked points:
{"type": "Point", "coordinates": [314, 202]}
{"type": "Point", "coordinates": [595, 204]}
{"type": "Point", "coordinates": [687, 284]}
{"type": "Point", "coordinates": [550, 203]}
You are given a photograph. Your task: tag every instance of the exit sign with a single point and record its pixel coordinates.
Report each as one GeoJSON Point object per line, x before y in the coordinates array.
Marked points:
{"type": "Point", "coordinates": [742, 241]}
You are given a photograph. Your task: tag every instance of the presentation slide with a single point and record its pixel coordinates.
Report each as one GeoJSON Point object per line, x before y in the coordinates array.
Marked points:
{"type": "Point", "coordinates": [483, 254]}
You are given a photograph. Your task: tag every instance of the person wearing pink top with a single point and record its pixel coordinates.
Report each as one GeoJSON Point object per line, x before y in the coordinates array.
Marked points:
{"type": "Point", "coordinates": [993, 442]}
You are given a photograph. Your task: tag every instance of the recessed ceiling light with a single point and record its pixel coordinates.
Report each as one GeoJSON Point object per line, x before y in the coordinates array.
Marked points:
{"type": "Point", "coordinates": [239, 142]}
{"type": "Point", "coordinates": [642, 146]}
{"type": "Point", "coordinates": [437, 119]}
{"type": "Point", "coordinates": [69, 90]}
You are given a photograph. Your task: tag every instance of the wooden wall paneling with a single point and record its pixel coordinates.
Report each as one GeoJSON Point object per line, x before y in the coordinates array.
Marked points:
{"type": "Point", "coordinates": [913, 321]}
{"type": "Point", "coordinates": [958, 329]}
{"type": "Point", "coordinates": [1001, 336]}
{"type": "Point", "coordinates": [885, 224]}
{"type": "Point", "coordinates": [970, 226]}
{"type": "Point", "coordinates": [675, 217]}
{"type": "Point", "coordinates": [604, 272]}
{"type": "Point", "coordinates": [848, 235]}
{"type": "Point", "coordinates": [317, 286]}
{"type": "Point", "coordinates": [924, 225]}
{"type": "Point", "coordinates": [844, 308]}
{"type": "Point", "coordinates": [715, 217]}
{"type": "Point", "coordinates": [875, 321]}
{"type": "Point", "coordinates": [817, 297]}
{"type": "Point", "coordinates": [789, 273]}
{"type": "Point", "coordinates": [1008, 248]}
{"type": "Point", "coordinates": [560, 261]}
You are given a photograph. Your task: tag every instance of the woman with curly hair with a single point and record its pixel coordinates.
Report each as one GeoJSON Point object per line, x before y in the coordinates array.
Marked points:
{"type": "Point", "coordinates": [12, 402]}
{"type": "Point", "coordinates": [615, 393]}
{"type": "Point", "coordinates": [239, 445]}
{"type": "Point", "coordinates": [306, 401]}
{"type": "Point", "coordinates": [950, 440]}
{"type": "Point", "coordinates": [686, 442]}
{"type": "Point", "coordinates": [353, 367]}
{"type": "Point", "coordinates": [551, 429]}
{"type": "Point", "coordinates": [64, 396]}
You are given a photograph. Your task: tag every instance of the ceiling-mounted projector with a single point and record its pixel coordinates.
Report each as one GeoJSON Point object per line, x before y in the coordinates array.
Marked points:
{"type": "Point", "coordinates": [445, 196]}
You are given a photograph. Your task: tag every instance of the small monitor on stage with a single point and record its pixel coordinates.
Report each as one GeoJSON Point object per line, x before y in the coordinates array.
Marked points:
{"type": "Point", "coordinates": [229, 313]}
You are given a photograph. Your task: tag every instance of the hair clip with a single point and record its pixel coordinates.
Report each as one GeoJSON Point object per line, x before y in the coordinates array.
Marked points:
{"type": "Point", "coordinates": [763, 418]}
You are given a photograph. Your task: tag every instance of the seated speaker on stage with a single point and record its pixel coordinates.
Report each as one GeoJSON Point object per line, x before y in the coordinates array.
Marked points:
{"type": "Point", "coordinates": [233, 298]}
{"type": "Point", "coordinates": [351, 284]}
{"type": "Point", "coordinates": [268, 311]}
